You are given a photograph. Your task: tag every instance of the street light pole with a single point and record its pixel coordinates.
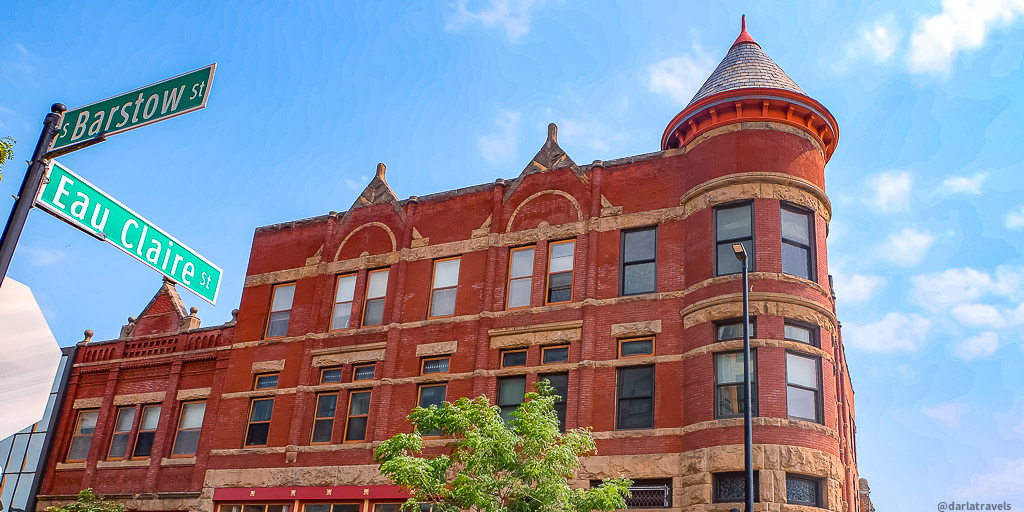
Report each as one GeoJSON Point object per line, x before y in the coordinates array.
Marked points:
{"type": "Point", "coordinates": [748, 430]}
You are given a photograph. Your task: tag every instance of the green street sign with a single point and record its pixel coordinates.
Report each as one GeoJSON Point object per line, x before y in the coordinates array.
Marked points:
{"type": "Point", "coordinates": [79, 203]}
{"type": "Point", "coordinates": [162, 100]}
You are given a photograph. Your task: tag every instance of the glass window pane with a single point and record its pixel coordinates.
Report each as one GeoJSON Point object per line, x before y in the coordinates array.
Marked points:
{"type": "Point", "coordinates": [346, 507]}
{"type": "Point", "coordinates": [359, 403]}
{"type": "Point", "coordinates": [729, 367]}
{"type": "Point", "coordinates": [519, 292]}
{"type": "Point", "coordinates": [559, 381]}
{"type": "Point", "coordinates": [125, 417]}
{"type": "Point", "coordinates": [192, 415]}
{"type": "Point", "coordinates": [143, 444]}
{"type": "Point", "coordinates": [35, 449]}
{"type": "Point", "coordinates": [257, 435]}
{"type": "Point", "coordinates": [356, 429]}
{"type": "Point", "coordinates": [21, 494]}
{"type": "Point", "coordinates": [556, 355]}
{"type": "Point", "coordinates": [522, 263]}
{"type": "Point", "coordinates": [374, 314]}
{"type": "Point", "coordinates": [60, 372]}
{"type": "Point", "coordinates": [731, 331]}
{"type": "Point", "coordinates": [727, 262]}
{"type": "Point", "coordinates": [187, 442]}
{"type": "Point", "coordinates": [377, 285]}
{"type": "Point", "coordinates": [79, 449]}
{"type": "Point", "coordinates": [801, 491]}
{"type": "Point", "coordinates": [562, 256]}
{"type": "Point", "coordinates": [439, 365]}
{"type": "Point", "coordinates": [262, 410]}
{"type": "Point", "coordinates": [88, 422]}
{"type": "Point", "coordinates": [732, 222]}
{"type": "Point", "coordinates": [278, 324]}
{"type": "Point", "coordinates": [795, 227]}
{"type": "Point", "coordinates": [319, 507]}
{"type": "Point", "coordinates": [341, 316]}
{"type": "Point", "coordinates": [322, 431]}
{"type": "Point", "coordinates": [432, 395]}
{"type": "Point", "coordinates": [17, 453]}
{"type": "Point", "coordinates": [446, 273]}
{"type": "Point", "coordinates": [283, 296]}
{"type": "Point", "coordinates": [638, 245]}
{"type": "Point", "coordinates": [638, 278]}
{"type": "Point", "coordinates": [636, 348]}
{"type": "Point", "coordinates": [517, 358]}
{"type": "Point", "coordinates": [365, 372]}
{"type": "Point", "coordinates": [118, 446]}
{"type": "Point", "coordinates": [801, 403]}
{"type": "Point", "coordinates": [560, 287]}
{"type": "Point", "coordinates": [330, 375]}
{"type": "Point", "coordinates": [802, 371]}
{"type": "Point", "coordinates": [44, 423]}
{"type": "Point", "coordinates": [325, 405]}
{"type": "Point", "coordinates": [511, 390]}
{"type": "Point", "coordinates": [797, 333]}
{"type": "Point", "coordinates": [795, 260]}
{"type": "Point", "coordinates": [442, 302]}
{"type": "Point", "coordinates": [636, 382]}
{"type": "Point", "coordinates": [385, 507]}
{"type": "Point", "coordinates": [730, 487]}
{"type": "Point", "coordinates": [636, 413]}
{"type": "Point", "coordinates": [346, 288]}
{"type": "Point", "coordinates": [266, 381]}
{"type": "Point", "coordinates": [150, 417]}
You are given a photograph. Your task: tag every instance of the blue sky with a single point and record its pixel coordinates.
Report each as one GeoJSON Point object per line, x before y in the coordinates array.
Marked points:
{"type": "Point", "coordinates": [925, 243]}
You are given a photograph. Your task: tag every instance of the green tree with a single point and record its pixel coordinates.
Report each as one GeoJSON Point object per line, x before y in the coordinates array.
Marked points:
{"type": "Point", "coordinates": [488, 465]}
{"type": "Point", "coordinates": [6, 152]}
{"type": "Point", "coordinates": [89, 502]}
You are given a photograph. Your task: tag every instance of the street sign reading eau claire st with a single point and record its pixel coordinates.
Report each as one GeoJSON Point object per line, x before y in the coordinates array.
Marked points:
{"type": "Point", "coordinates": [79, 203]}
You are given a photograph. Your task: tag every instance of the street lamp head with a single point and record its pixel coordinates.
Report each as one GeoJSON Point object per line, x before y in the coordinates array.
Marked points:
{"type": "Point", "coordinates": [739, 251]}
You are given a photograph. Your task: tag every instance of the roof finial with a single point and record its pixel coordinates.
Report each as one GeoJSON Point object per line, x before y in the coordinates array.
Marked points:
{"type": "Point", "coordinates": [744, 37]}
{"type": "Point", "coordinates": [552, 132]}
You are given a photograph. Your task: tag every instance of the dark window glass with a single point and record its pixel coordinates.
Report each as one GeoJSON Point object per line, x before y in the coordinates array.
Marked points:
{"type": "Point", "coordinates": [733, 330]}
{"type": "Point", "coordinates": [797, 226]}
{"type": "Point", "coordinates": [330, 375]}
{"type": "Point", "coordinates": [317, 507]}
{"type": "Point", "coordinates": [803, 490]}
{"type": "Point", "coordinates": [636, 348]}
{"type": "Point", "coordinates": [435, 365]}
{"type": "Point", "coordinates": [513, 358]}
{"type": "Point", "coordinates": [82, 437]}
{"type": "Point", "coordinates": [559, 381]}
{"type": "Point", "coordinates": [803, 387]}
{"type": "Point", "coordinates": [729, 397]}
{"type": "Point", "coordinates": [266, 381]}
{"type": "Point", "coordinates": [122, 431]}
{"type": "Point", "coordinates": [259, 422]}
{"type": "Point", "coordinates": [555, 355]}
{"type": "Point", "coordinates": [358, 413]}
{"type": "Point", "coordinates": [638, 270]}
{"type": "Point", "coordinates": [280, 310]}
{"type": "Point", "coordinates": [147, 431]}
{"type": "Point", "coordinates": [510, 395]}
{"type": "Point", "coordinates": [323, 422]}
{"type": "Point", "coordinates": [733, 225]}
{"type": "Point", "coordinates": [433, 395]}
{"type": "Point", "coordinates": [190, 423]}
{"type": "Point", "coordinates": [730, 487]}
{"type": "Point", "coordinates": [364, 372]}
{"type": "Point", "coordinates": [635, 408]}
{"type": "Point", "coordinates": [560, 268]}
{"type": "Point", "coordinates": [346, 507]}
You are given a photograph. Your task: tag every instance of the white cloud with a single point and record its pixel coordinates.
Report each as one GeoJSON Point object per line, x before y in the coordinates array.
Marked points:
{"type": "Point", "coordinates": [515, 16]}
{"type": "Point", "coordinates": [965, 184]}
{"type": "Point", "coordinates": [1006, 479]}
{"type": "Point", "coordinates": [857, 287]}
{"type": "Point", "coordinates": [593, 134]}
{"type": "Point", "coordinates": [877, 40]}
{"type": "Point", "coordinates": [940, 291]}
{"type": "Point", "coordinates": [908, 247]}
{"type": "Point", "coordinates": [982, 345]}
{"type": "Point", "coordinates": [962, 25]}
{"type": "Point", "coordinates": [358, 184]}
{"type": "Point", "coordinates": [680, 77]}
{"type": "Point", "coordinates": [948, 414]}
{"type": "Point", "coordinates": [1014, 218]}
{"type": "Point", "coordinates": [978, 315]}
{"type": "Point", "coordinates": [894, 332]}
{"type": "Point", "coordinates": [891, 190]}
{"type": "Point", "coordinates": [501, 145]}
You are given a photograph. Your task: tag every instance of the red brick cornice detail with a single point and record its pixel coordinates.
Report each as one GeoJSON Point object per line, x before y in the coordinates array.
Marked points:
{"type": "Point", "coordinates": [743, 105]}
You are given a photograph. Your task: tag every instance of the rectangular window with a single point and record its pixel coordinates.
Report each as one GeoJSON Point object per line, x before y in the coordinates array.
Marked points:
{"type": "Point", "coordinates": [265, 381]}
{"type": "Point", "coordinates": [733, 225]}
{"type": "Point", "coordinates": [446, 284]}
{"type": "Point", "coordinates": [328, 507]}
{"type": "Point", "coordinates": [323, 418]}
{"type": "Point", "coordinates": [730, 487]}
{"type": "Point", "coordinates": [803, 490]}
{"type": "Point", "coordinates": [551, 355]}
{"type": "Point", "coordinates": [434, 365]}
{"type": "Point", "coordinates": [81, 439]}
{"type": "Point", "coordinates": [729, 398]}
{"type": "Point", "coordinates": [376, 292]}
{"type": "Point", "coordinates": [364, 372]}
{"type": "Point", "coordinates": [650, 494]}
{"type": "Point", "coordinates": [559, 381]}
{"type": "Point", "coordinates": [122, 431]}
{"type": "Point", "coordinates": [560, 265]}
{"type": "Point", "coordinates": [147, 432]}
{"type": "Point", "coordinates": [635, 407]}
{"type": "Point", "coordinates": [636, 348]}
{"type": "Point", "coordinates": [186, 440]}
{"type": "Point", "coordinates": [797, 255]}
{"type": "Point", "coordinates": [344, 294]}
{"type": "Point", "coordinates": [358, 413]}
{"type": "Point", "coordinates": [258, 429]}
{"type": "Point", "coordinates": [280, 310]}
{"type": "Point", "coordinates": [520, 277]}
{"type": "Point", "coordinates": [733, 329]}
{"type": "Point", "coordinates": [638, 267]}
{"type": "Point", "coordinates": [803, 387]}
{"type": "Point", "coordinates": [432, 395]}
{"type": "Point", "coordinates": [511, 358]}
{"type": "Point", "coordinates": [510, 394]}
{"type": "Point", "coordinates": [328, 375]}
{"type": "Point", "coordinates": [802, 334]}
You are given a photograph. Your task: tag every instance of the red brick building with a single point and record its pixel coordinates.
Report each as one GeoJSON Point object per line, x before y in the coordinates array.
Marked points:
{"type": "Point", "coordinates": [615, 280]}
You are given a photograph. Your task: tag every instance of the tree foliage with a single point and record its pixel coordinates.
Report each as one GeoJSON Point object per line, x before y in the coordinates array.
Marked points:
{"type": "Point", "coordinates": [6, 151]}
{"type": "Point", "coordinates": [488, 465]}
{"type": "Point", "coordinates": [89, 502]}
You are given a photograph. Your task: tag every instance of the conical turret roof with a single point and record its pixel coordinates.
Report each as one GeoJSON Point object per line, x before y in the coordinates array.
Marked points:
{"type": "Point", "coordinates": [745, 66]}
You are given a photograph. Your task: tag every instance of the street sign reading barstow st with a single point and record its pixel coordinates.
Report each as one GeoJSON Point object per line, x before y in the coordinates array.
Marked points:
{"type": "Point", "coordinates": [152, 103]}
{"type": "Point", "coordinates": [79, 203]}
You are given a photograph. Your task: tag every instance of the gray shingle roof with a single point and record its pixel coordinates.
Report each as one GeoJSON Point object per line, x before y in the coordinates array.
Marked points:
{"type": "Point", "coordinates": [745, 66]}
